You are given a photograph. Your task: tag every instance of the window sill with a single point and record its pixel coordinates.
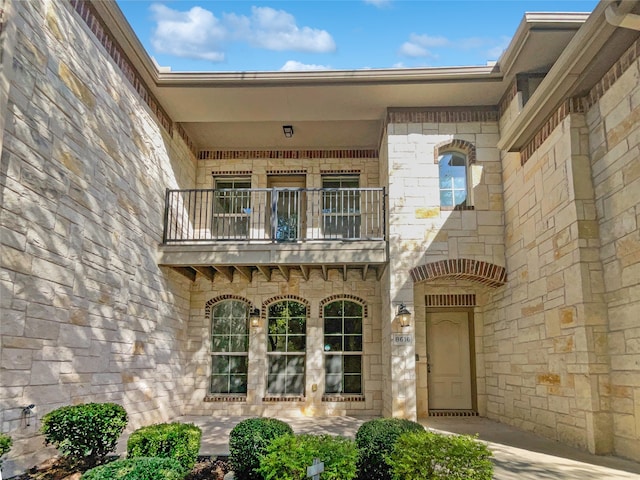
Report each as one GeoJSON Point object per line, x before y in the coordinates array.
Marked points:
{"type": "Point", "coordinates": [225, 398]}
{"type": "Point", "coordinates": [342, 398]}
{"type": "Point", "coordinates": [287, 398]}
{"type": "Point", "coordinates": [457, 207]}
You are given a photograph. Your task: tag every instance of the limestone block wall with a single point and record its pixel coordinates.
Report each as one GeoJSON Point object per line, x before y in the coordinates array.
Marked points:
{"type": "Point", "coordinates": [259, 291]}
{"type": "Point", "coordinates": [86, 313]}
{"type": "Point", "coordinates": [614, 145]}
{"type": "Point", "coordinates": [545, 333]}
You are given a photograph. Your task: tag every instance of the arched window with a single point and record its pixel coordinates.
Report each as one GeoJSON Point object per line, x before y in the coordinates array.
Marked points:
{"type": "Point", "coordinates": [453, 179]}
{"type": "Point", "coordinates": [343, 347]}
{"type": "Point", "coordinates": [229, 347]}
{"type": "Point", "coordinates": [286, 348]}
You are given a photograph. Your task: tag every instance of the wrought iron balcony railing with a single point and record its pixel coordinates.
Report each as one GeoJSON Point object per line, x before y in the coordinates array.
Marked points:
{"type": "Point", "coordinates": [274, 215]}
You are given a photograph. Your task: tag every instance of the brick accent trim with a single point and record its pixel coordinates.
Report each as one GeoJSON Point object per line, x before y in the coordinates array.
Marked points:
{"type": "Point", "coordinates": [353, 298]}
{"type": "Point", "coordinates": [451, 300]}
{"type": "Point", "coordinates": [301, 171]}
{"type": "Point", "coordinates": [225, 398]}
{"type": "Point", "coordinates": [569, 106]}
{"type": "Point", "coordinates": [581, 104]}
{"type": "Point", "coordinates": [340, 172]}
{"type": "Point", "coordinates": [279, 298]}
{"type": "Point", "coordinates": [285, 154]}
{"type": "Point", "coordinates": [508, 97]}
{"type": "Point", "coordinates": [100, 31]}
{"type": "Point", "coordinates": [231, 173]}
{"type": "Point", "coordinates": [292, 398]}
{"type": "Point", "coordinates": [210, 303]}
{"type": "Point", "coordinates": [468, 148]}
{"type": "Point", "coordinates": [343, 398]}
{"type": "Point", "coordinates": [464, 268]}
{"type": "Point", "coordinates": [486, 113]}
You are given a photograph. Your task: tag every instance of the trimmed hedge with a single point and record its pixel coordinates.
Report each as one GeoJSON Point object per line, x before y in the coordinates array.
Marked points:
{"type": "Point", "coordinates": [375, 440]}
{"type": "Point", "coordinates": [5, 445]}
{"type": "Point", "coordinates": [248, 442]}
{"type": "Point", "coordinates": [179, 441]}
{"type": "Point", "coordinates": [288, 457]}
{"type": "Point", "coordinates": [140, 468]}
{"type": "Point", "coordinates": [435, 456]}
{"type": "Point", "coordinates": [84, 432]}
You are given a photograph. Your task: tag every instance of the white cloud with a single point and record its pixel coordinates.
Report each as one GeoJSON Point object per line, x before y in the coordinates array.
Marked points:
{"type": "Point", "coordinates": [277, 30]}
{"type": "Point", "coordinates": [495, 52]}
{"type": "Point", "coordinates": [196, 33]}
{"type": "Point", "coordinates": [294, 66]}
{"type": "Point", "coordinates": [409, 49]}
{"type": "Point", "coordinates": [419, 45]}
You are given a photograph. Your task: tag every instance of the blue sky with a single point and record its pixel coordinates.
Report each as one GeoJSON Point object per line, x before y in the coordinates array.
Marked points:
{"type": "Point", "coordinates": [244, 35]}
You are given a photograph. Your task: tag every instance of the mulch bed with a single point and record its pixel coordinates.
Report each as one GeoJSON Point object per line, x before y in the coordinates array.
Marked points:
{"type": "Point", "coordinates": [206, 468]}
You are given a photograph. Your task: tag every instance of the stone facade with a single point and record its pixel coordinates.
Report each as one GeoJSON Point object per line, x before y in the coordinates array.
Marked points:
{"type": "Point", "coordinates": [544, 257]}
{"type": "Point", "coordinates": [87, 314]}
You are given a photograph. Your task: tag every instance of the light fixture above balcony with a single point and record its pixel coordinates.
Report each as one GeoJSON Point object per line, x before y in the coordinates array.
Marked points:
{"type": "Point", "coordinates": [287, 130]}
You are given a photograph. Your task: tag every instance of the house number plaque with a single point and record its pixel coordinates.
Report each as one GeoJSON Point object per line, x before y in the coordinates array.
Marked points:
{"type": "Point", "coordinates": [402, 339]}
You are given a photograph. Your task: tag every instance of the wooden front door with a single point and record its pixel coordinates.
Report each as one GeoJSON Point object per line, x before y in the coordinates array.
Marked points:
{"type": "Point", "coordinates": [449, 361]}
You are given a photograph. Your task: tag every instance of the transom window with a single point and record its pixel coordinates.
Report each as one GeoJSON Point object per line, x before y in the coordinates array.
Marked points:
{"type": "Point", "coordinates": [229, 347]}
{"type": "Point", "coordinates": [343, 347]}
{"type": "Point", "coordinates": [286, 348]}
{"type": "Point", "coordinates": [453, 179]}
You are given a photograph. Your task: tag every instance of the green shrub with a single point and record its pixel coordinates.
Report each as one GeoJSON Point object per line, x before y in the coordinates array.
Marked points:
{"type": "Point", "coordinates": [84, 432]}
{"type": "Point", "coordinates": [435, 456]}
{"type": "Point", "coordinates": [141, 468]}
{"type": "Point", "coordinates": [375, 440]}
{"type": "Point", "coordinates": [288, 457]}
{"type": "Point", "coordinates": [180, 441]}
{"type": "Point", "coordinates": [248, 442]}
{"type": "Point", "coordinates": [5, 445]}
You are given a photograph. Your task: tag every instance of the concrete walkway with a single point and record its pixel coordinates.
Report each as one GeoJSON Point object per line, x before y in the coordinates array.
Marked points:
{"type": "Point", "coordinates": [517, 454]}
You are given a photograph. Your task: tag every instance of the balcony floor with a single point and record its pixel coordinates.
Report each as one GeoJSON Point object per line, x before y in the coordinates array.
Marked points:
{"type": "Point", "coordinates": [245, 259]}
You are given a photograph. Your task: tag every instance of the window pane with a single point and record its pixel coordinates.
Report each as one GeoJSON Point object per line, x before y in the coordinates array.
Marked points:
{"type": "Point", "coordinates": [333, 309]}
{"type": "Point", "coordinates": [296, 344]}
{"type": "Point", "coordinates": [333, 364]}
{"type": "Point", "coordinates": [352, 364]}
{"type": "Point", "coordinates": [238, 325]}
{"type": "Point", "coordinates": [220, 364]}
{"type": "Point", "coordinates": [275, 384]}
{"type": "Point", "coordinates": [219, 384]}
{"type": "Point", "coordinates": [332, 343]}
{"type": "Point", "coordinates": [297, 325]}
{"type": "Point", "coordinates": [352, 384]}
{"type": "Point", "coordinates": [353, 343]}
{"type": "Point", "coordinates": [446, 198]}
{"type": "Point", "coordinates": [277, 343]}
{"type": "Point", "coordinates": [460, 182]}
{"type": "Point", "coordinates": [332, 325]}
{"type": "Point", "coordinates": [295, 384]}
{"type": "Point", "coordinates": [220, 343]}
{"type": "Point", "coordinates": [237, 364]}
{"type": "Point", "coordinates": [352, 309]}
{"type": "Point", "coordinates": [239, 343]}
{"type": "Point", "coordinates": [295, 364]}
{"type": "Point", "coordinates": [219, 325]}
{"type": "Point", "coordinates": [353, 325]}
{"type": "Point", "coordinates": [460, 196]}
{"type": "Point", "coordinates": [333, 383]}
{"type": "Point", "coordinates": [277, 363]}
{"type": "Point", "coordinates": [238, 384]}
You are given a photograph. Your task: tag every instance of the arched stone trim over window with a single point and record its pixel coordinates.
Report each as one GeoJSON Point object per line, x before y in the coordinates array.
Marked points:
{"type": "Point", "coordinates": [464, 268]}
{"type": "Point", "coordinates": [279, 298]}
{"type": "Point", "coordinates": [468, 148]}
{"type": "Point", "coordinates": [352, 298]}
{"type": "Point", "coordinates": [213, 301]}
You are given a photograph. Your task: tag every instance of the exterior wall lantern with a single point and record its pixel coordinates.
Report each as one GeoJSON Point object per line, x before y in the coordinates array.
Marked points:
{"type": "Point", "coordinates": [287, 130]}
{"type": "Point", "coordinates": [254, 317]}
{"type": "Point", "coordinates": [403, 316]}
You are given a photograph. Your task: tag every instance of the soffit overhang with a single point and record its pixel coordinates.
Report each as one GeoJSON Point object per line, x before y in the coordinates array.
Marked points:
{"type": "Point", "coordinates": [596, 46]}
{"type": "Point", "coordinates": [330, 109]}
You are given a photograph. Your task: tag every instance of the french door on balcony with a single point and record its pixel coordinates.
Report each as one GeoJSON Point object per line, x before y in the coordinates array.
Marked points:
{"type": "Point", "coordinates": [288, 203]}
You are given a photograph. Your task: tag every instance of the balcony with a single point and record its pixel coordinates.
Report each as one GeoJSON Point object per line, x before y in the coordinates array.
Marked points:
{"type": "Point", "coordinates": [244, 231]}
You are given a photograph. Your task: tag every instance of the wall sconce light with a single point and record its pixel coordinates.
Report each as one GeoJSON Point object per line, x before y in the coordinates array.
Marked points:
{"type": "Point", "coordinates": [403, 315]}
{"type": "Point", "coordinates": [287, 130]}
{"type": "Point", "coordinates": [254, 318]}
{"type": "Point", "coordinates": [26, 413]}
